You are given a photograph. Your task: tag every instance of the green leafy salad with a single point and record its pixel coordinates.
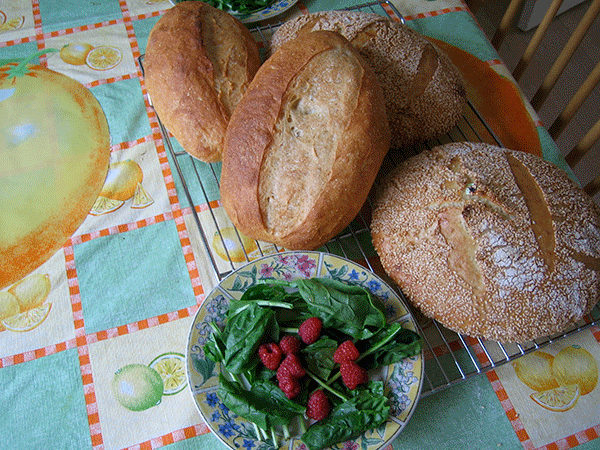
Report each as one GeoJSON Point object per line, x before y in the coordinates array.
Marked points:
{"type": "Point", "coordinates": [237, 6]}
{"type": "Point", "coordinates": [298, 352]}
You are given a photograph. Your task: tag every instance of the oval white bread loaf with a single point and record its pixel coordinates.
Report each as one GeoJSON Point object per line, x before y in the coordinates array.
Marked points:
{"type": "Point", "coordinates": [198, 63]}
{"type": "Point", "coordinates": [424, 92]}
{"type": "Point", "coordinates": [305, 143]}
{"type": "Point", "coordinates": [490, 242]}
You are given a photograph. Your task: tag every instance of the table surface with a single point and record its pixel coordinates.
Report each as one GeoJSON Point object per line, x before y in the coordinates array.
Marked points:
{"type": "Point", "coordinates": [126, 285]}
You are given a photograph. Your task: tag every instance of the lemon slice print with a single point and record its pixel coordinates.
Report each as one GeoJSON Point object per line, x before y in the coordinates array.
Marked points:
{"type": "Point", "coordinates": [12, 24]}
{"type": "Point", "coordinates": [104, 205]}
{"type": "Point", "coordinates": [237, 245]}
{"type": "Point", "coordinates": [141, 198]}
{"type": "Point", "coordinates": [2, 18]}
{"type": "Point", "coordinates": [27, 320]}
{"type": "Point", "coordinates": [561, 398]}
{"type": "Point", "coordinates": [103, 58]}
{"type": "Point", "coordinates": [171, 368]}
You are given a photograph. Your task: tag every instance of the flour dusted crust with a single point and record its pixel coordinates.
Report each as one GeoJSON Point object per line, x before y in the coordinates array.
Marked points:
{"type": "Point", "coordinates": [424, 92]}
{"type": "Point", "coordinates": [198, 63]}
{"type": "Point", "coordinates": [490, 242]}
{"type": "Point", "coordinates": [305, 144]}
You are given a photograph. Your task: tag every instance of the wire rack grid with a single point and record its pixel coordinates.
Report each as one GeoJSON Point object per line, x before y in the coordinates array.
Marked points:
{"type": "Point", "coordinates": [450, 358]}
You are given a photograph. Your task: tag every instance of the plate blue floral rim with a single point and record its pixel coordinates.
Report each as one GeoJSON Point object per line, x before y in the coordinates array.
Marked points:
{"type": "Point", "coordinates": [403, 381]}
{"type": "Point", "coordinates": [278, 7]}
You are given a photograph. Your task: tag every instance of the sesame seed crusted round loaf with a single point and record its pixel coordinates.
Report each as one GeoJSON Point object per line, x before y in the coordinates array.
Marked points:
{"type": "Point", "coordinates": [424, 93]}
{"type": "Point", "coordinates": [490, 242]}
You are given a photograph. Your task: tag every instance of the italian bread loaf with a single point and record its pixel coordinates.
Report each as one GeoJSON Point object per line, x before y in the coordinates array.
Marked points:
{"type": "Point", "coordinates": [198, 63]}
{"type": "Point", "coordinates": [490, 242]}
{"type": "Point", "coordinates": [304, 144]}
{"type": "Point", "coordinates": [424, 92]}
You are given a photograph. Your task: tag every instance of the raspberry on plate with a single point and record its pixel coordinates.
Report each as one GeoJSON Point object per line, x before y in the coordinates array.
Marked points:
{"type": "Point", "coordinates": [270, 355]}
{"type": "Point", "coordinates": [290, 386]}
{"type": "Point", "coordinates": [291, 366]}
{"type": "Point", "coordinates": [346, 351]}
{"type": "Point", "coordinates": [353, 375]}
{"type": "Point", "coordinates": [310, 330]}
{"type": "Point", "coordinates": [318, 406]}
{"type": "Point", "coordinates": [289, 344]}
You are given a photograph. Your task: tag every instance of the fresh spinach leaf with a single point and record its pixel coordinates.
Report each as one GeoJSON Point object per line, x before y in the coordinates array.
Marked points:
{"type": "Point", "coordinates": [367, 409]}
{"type": "Point", "coordinates": [264, 404]}
{"type": "Point", "coordinates": [391, 345]}
{"type": "Point", "coordinates": [319, 357]}
{"type": "Point", "coordinates": [243, 334]}
{"type": "Point", "coordinates": [349, 309]}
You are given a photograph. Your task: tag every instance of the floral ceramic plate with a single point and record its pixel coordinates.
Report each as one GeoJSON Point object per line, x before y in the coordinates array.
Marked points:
{"type": "Point", "coordinates": [403, 380]}
{"type": "Point", "coordinates": [278, 7]}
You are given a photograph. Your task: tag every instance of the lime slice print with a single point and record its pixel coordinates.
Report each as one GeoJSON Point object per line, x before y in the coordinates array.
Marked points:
{"type": "Point", "coordinates": [171, 368]}
{"type": "Point", "coordinates": [27, 320]}
{"type": "Point", "coordinates": [103, 58]}
{"type": "Point", "coordinates": [137, 387]}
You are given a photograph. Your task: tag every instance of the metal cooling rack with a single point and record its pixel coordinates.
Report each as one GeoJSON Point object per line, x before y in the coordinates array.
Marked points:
{"type": "Point", "coordinates": [450, 358]}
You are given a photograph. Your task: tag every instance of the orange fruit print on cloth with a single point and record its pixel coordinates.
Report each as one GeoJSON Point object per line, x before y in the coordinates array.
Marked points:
{"type": "Point", "coordinates": [55, 148]}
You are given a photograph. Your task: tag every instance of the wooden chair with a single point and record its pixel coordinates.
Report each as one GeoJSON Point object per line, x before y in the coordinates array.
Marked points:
{"type": "Point", "coordinates": [574, 156]}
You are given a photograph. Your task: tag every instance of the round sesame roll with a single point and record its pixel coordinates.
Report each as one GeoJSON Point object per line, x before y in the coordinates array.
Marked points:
{"type": "Point", "coordinates": [490, 242]}
{"type": "Point", "coordinates": [424, 93]}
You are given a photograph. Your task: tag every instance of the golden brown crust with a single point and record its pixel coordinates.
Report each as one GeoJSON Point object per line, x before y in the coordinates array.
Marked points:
{"type": "Point", "coordinates": [199, 61]}
{"type": "Point", "coordinates": [424, 92]}
{"type": "Point", "coordinates": [305, 143]}
{"type": "Point", "coordinates": [490, 242]}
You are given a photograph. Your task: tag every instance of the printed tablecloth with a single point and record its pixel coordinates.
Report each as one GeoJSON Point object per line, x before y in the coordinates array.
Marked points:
{"type": "Point", "coordinates": [123, 290]}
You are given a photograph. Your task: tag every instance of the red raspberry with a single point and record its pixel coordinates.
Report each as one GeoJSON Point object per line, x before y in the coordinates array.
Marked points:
{"type": "Point", "coordinates": [353, 374]}
{"type": "Point", "coordinates": [291, 366]}
{"type": "Point", "coordinates": [290, 386]}
{"type": "Point", "coordinates": [318, 406]}
{"type": "Point", "coordinates": [310, 330]}
{"type": "Point", "coordinates": [346, 351]}
{"type": "Point", "coordinates": [270, 355]}
{"type": "Point", "coordinates": [289, 344]}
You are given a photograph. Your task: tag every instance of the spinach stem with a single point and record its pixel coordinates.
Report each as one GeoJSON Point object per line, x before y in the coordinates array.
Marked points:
{"type": "Point", "coordinates": [326, 386]}
{"type": "Point", "coordinates": [257, 431]}
{"type": "Point", "coordinates": [380, 344]}
{"type": "Point", "coordinates": [263, 303]}
{"type": "Point", "coordinates": [289, 330]}
{"type": "Point", "coordinates": [274, 437]}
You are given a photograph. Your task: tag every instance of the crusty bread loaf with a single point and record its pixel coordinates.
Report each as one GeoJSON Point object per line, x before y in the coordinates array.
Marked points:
{"type": "Point", "coordinates": [490, 242]}
{"type": "Point", "coordinates": [424, 92]}
{"type": "Point", "coordinates": [198, 63]}
{"type": "Point", "coordinates": [305, 143]}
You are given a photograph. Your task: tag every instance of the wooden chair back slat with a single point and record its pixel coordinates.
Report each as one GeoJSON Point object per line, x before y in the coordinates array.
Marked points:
{"type": "Point", "coordinates": [565, 55]}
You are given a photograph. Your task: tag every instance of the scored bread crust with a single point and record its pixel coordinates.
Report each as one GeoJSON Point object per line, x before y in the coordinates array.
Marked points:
{"type": "Point", "coordinates": [304, 145]}
{"type": "Point", "coordinates": [199, 61]}
{"type": "Point", "coordinates": [489, 242]}
{"type": "Point", "coordinates": [424, 92]}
